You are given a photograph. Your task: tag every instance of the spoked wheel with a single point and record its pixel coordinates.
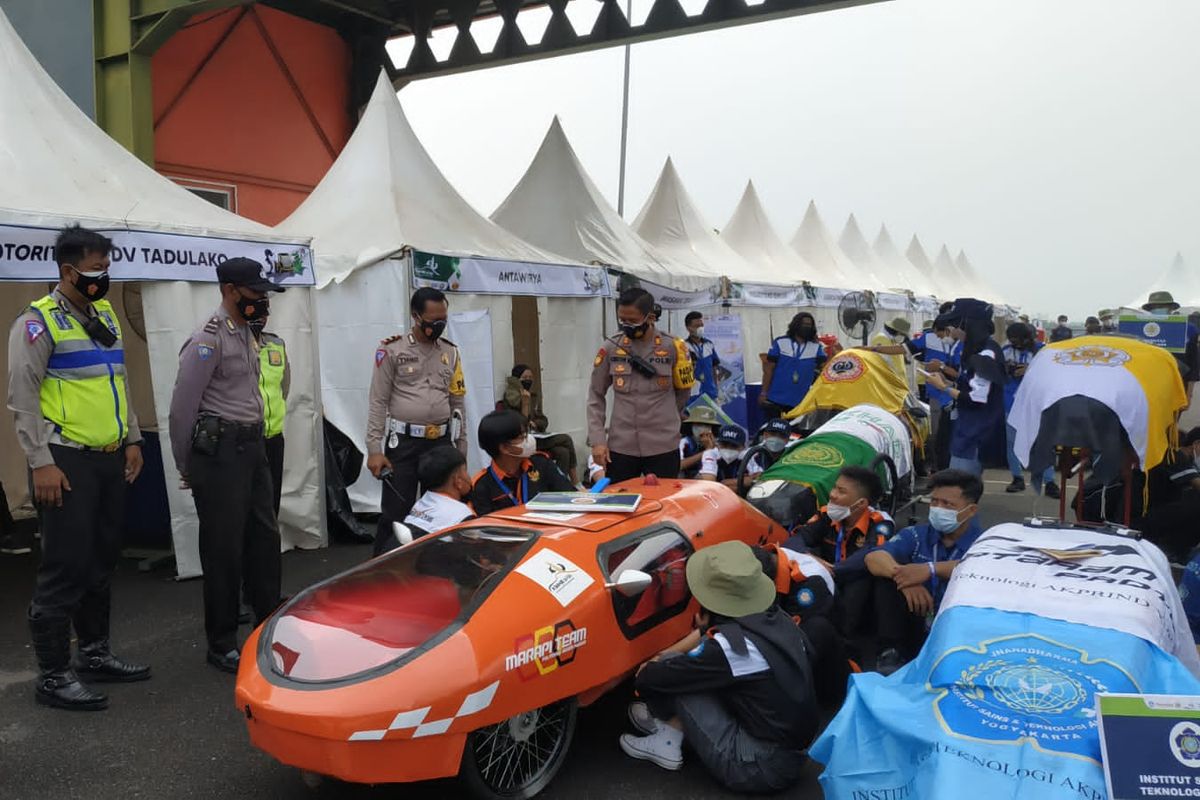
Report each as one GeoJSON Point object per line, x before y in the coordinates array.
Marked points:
{"type": "Point", "coordinates": [518, 757]}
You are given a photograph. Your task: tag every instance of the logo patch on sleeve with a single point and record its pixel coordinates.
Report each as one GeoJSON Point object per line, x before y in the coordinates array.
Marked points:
{"type": "Point", "coordinates": [33, 329]}
{"type": "Point", "coordinates": [275, 358]}
{"type": "Point", "coordinates": [380, 355]}
{"type": "Point", "coordinates": [204, 351]}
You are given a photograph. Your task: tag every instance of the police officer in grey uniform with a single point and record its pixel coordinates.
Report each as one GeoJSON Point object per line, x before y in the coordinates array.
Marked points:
{"type": "Point", "coordinates": [70, 401]}
{"type": "Point", "coordinates": [416, 403]}
{"type": "Point", "coordinates": [217, 439]}
{"type": "Point", "coordinates": [651, 376]}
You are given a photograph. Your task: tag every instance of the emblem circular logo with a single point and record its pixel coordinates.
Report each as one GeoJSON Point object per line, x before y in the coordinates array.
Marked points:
{"type": "Point", "coordinates": [1035, 689]}
{"type": "Point", "coordinates": [1091, 356]}
{"type": "Point", "coordinates": [815, 454]}
{"type": "Point", "coordinates": [1151, 329]}
{"type": "Point", "coordinates": [1185, 744]}
{"type": "Point", "coordinates": [846, 367]}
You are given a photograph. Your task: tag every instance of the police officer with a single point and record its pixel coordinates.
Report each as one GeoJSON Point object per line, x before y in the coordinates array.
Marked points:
{"type": "Point", "coordinates": [274, 383]}
{"type": "Point", "coordinates": [651, 377]}
{"type": "Point", "coordinates": [217, 438]}
{"type": "Point", "coordinates": [705, 360]}
{"type": "Point", "coordinates": [70, 401]}
{"type": "Point", "coordinates": [416, 403]}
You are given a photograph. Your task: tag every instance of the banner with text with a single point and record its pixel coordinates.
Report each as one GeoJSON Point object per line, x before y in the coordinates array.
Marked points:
{"type": "Point", "coordinates": [490, 276]}
{"type": "Point", "coordinates": [765, 294]}
{"type": "Point", "coordinates": [27, 254]}
{"type": "Point", "coordinates": [673, 299]}
{"type": "Point", "coordinates": [1151, 745]}
{"type": "Point", "coordinates": [725, 332]}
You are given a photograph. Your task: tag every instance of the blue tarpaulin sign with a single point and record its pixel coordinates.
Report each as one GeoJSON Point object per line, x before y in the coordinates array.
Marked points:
{"type": "Point", "coordinates": [1169, 333]}
{"type": "Point", "coordinates": [1151, 745]}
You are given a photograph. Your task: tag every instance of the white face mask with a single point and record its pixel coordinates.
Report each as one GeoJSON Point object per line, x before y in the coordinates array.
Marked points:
{"type": "Point", "coordinates": [898, 338]}
{"type": "Point", "coordinates": [699, 332]}
{"type": "Point", "coordinates": [729, 456]}
{"type": "Point", "coordinates": [943, 520]}
{"type": "Point", "coordinates": [776, 445]}
{"type": "Point", "coordinates": [836, 512]}
{"type": "Point", "coordinates": [528, 447]}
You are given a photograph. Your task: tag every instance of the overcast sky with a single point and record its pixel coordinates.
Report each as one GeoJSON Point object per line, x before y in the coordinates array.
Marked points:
{"type": "Point", "coordinates": [1055, 140]}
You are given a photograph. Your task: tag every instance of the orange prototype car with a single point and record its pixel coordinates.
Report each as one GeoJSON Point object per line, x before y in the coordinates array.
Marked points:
{"type": "Point", "coordinates": [468, 652]}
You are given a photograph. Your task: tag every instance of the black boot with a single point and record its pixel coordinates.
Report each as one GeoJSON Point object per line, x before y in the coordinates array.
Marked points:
{"type": "Point", "coordinates": [1017, 485]}
{"type": "Point", "coordinates": [96, 661]}
{"type": "Point", "coordinates": [57, 684]}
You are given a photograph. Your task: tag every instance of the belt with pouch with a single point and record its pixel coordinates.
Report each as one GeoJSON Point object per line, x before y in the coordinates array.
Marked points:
{"type": "Point", "coordinates": [241, 431]}
{"type": "Point", "coordinates": [418, 431]}
{"type": "Point", "coordinates": [58, 439]}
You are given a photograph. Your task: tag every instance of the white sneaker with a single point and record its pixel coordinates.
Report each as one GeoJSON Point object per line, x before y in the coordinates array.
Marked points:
{"type": "Point", "coordinates": [642, 719]}
{"type": "Point", "coordinates": [664, 747]}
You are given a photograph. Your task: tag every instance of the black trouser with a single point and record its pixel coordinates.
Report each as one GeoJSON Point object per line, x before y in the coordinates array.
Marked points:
{"type": "Point", "coordinates": [81, 541]}
{"type": "Point", "coordinates": [941, 442]}
{"type": "Point", "coordinates": [238, 532]}
{"type": "Point", "coordinates": [898, 627]}
{"type": "Point", "coordinates": [274, 445]}
{"type": "Point", "coordinates": [622, 467]}
{"type": "Point", "coordinates": [830, 662]}
{"type": "Point", "coordinates": [401, 490]}
{"type": "Point", "coordinates": [6, 519]}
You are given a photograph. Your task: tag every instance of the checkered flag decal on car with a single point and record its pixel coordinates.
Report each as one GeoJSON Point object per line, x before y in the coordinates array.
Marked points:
{"type": "Point", "coordinates": [471, 704]}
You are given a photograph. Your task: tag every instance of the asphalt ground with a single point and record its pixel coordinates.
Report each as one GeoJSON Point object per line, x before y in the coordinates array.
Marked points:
{"type": "Point", "coordinates": [180, 736]}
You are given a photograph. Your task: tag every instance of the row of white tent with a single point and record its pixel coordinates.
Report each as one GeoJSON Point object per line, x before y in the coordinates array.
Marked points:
{"type": "Point", "coordinates": [383, 219]}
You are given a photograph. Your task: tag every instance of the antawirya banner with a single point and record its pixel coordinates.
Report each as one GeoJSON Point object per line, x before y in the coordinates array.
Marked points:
{"type": "Point", "coordinates": [27, 254]}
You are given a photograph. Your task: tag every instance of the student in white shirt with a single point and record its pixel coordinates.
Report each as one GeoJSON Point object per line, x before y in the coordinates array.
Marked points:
{"type": "Point", "coordinates": [444, 470]}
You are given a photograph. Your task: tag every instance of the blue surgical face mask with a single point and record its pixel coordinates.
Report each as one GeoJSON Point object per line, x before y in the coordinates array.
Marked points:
{"type": "Point", "coordinates": [943, 520]}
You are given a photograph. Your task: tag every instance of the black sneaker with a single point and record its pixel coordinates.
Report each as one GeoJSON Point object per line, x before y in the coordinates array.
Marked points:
{"type": "Point", "coordinates": [14, 544]}
{"type": "Point", "coordinates": [1017, 485]}
{"type": "Point", "coordinates": [1052, 491]}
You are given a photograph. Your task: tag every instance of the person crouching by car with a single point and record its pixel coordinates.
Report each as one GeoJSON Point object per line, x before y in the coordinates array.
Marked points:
{"type": "Point", "coordinates": [518, 473]}
{"type": "Point", "coordinates": [738, 689]}
{"type": "Point", "coordinates": [805, 590]}
{"type": "Point", "coordinates": [444, 470]}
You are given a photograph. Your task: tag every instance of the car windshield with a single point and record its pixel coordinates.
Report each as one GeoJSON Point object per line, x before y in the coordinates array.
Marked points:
{"type": "Point", "coordinates": [375, 614]}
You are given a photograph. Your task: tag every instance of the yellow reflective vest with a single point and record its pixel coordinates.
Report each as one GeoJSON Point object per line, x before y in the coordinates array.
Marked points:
{"type": "Point", "coordinates": [273, 361]}
{"type": "Point", "coordinates": [83, 391]}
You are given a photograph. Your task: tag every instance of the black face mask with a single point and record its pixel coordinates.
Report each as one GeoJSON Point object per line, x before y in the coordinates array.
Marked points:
{"type": "Point", "coordinates": [527, 385]}
{"type": "Point", "coordinates": [99, 332]}
{"type": "Point", "coordinates": [635, 331]}
{"type": "Point", "coordinates": [253, 309]}
{"type": "Point", "coordinates": [92, 287]}
{"type": "Point", "coordinates": [258, 324]}
{"type": "Point", "coordinates": [433, 329]}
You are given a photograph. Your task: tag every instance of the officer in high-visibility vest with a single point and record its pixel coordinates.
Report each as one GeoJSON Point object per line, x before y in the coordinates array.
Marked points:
{"type": "Point", "coordinates": [68, 393]}
{"type": "Point", "coordinates": [274, 382]}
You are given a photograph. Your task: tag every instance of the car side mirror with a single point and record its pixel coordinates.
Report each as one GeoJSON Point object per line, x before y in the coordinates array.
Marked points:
{"type": "Point", "coordinates": [631, 582]}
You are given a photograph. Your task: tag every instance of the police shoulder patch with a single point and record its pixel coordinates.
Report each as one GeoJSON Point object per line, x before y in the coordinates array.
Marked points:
{"type": "Point", "coordinates": [204, 351]}
{"type": "Point", "coordinates": [33, 329]}
{"type": "Point", "coordinates": [213, 325]}
{"type": "Point", "coordinates": [391, 339]}
{"type": "Point", "coordinates": [380, 355]}
{"type": "Point", "coordinates": [600, 356]}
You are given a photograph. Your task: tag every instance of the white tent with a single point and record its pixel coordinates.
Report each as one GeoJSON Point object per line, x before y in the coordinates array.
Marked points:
{"type": "Point", "coordinates": [815, 244]}
{"type": "Point", "coordinates": [750, 234]}
{"type": "Point", "coordinates": [384, 217]}
{"type": "Point", "coordinates": [983, 288]}
{"type": "Point", "coordinates": [1177, 279]}
{"type": "Point", "coordinates": [855, 246]}
{"type": "Point", "coordinates": [670, 221]}
{"type": "Point", "coordinates": [917, 256]}
{"type": "Point", "coordinates": [60, 169]}
{"type": "Point", "coordinates": [946, 273]}
{"type": "Point", "coordinates": [911, 278]}
{"type": "Point", "coordinates": [556, 205]}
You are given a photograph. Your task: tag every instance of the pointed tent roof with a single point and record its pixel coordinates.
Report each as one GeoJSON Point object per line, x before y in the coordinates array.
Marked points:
{"type": "Point", "coordinates": [815, 244]}
{"type": "Point", "coordinates": [854, 245]}
{"type": "Point", "coordinates": [1176, 279]}
{"type": "Point", "coordinates": [917, 256]}
{"type": "Point", "coordinates": [670, 221]}
{"type": "Point", "coordinates": [946, 273]}
{"type": "Point", "coordinates": [750, 234]}
{"type": "Point", "coordinates": [885, 248]}
{"type": "Point", "coordinates": [556, 205]}
{"type": "Point", "coordinates": [983, 289]}
{"type": "Point", "coordinates": [385, 193]}
{"type": "Point", "coordinates": [59, 167]}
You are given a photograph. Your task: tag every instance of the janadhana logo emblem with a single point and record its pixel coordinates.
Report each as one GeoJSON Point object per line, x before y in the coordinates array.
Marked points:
{"type": "Point", "coordinates": [1025, 688]}
{"type": "Point", "coordinates": [1185, 744]}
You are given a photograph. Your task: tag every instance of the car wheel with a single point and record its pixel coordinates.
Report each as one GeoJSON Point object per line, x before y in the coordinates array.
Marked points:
{"type": "Point", "coordinates": [517, 758]}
